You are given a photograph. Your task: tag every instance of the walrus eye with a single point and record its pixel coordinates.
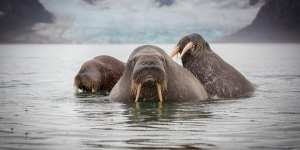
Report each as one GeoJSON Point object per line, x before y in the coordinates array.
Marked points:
{"type": "Point", "coordinates": [82, 70]}
{"type": "Point", "coordinates": [207, 45]}
{"type": "Point", "coordinates": [162, 59]}
{"type": "Point", "coordinates": [132, 62]}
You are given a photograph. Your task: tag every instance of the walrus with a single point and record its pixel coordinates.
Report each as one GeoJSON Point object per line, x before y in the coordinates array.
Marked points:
{"type": "Point", "coordinates": [220, 79]}
{"type": "Point", "coordinates": [151, 75]}
{"type": "Point", "coordinates": [99, 74]}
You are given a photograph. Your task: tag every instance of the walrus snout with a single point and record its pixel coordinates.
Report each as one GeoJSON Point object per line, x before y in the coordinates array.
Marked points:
{"type": "Point", "coordinates": [149, 79]}
{"type": "Point", "coordinates": [86, 82]}
{"type": "Point", "coordinates": [147, 66]}
{"type": "Point", "coordinates": [148, 73]}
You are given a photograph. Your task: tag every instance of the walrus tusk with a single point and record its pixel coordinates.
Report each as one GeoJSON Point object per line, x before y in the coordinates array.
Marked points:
{"type": "Point", "coordinates": [138, 92]}
{"type": "Point", "coordinates": [93, 90]}
{"type": "Point", "coordinates": [186, 48]}
{"type": "Point", "coordinates": [174, 52]}
{"type": "Point", "coordinates": [159, 92]}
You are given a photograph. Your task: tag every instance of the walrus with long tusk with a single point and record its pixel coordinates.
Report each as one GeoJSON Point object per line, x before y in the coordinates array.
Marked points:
{"type": "Point", "coordinates": [151, 75]}
{"type": "Point", "coordinates": [220, 79]}
{"type": "Point", "coordinates": [99, 74]}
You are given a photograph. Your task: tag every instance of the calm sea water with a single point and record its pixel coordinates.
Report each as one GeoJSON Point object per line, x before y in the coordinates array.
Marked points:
{"type": "Point", "coordinates": [39, 110]}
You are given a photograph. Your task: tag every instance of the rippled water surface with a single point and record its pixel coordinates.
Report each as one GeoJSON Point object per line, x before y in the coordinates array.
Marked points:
{"type": "Point", "coordinates": [39, 110]}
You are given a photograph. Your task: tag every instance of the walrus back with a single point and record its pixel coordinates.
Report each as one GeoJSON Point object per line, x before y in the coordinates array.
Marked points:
{"type": "Point", "coordinates": [221, 80]}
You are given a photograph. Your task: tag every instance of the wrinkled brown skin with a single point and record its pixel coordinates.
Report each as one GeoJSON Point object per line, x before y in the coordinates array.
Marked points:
{"type": "Point", "coordinates": [181, 84]}
{"type": "Point", "coordinates": [100, 73]}
{"type": "Point", "coordinates": [220, 79]}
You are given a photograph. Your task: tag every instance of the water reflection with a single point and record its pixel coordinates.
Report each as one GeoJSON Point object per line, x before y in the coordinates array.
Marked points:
{"type": "Point", "coordinates": [168, 112]}
{"type": "Point", "coordinates": [138, 125]}
{"type": "Point", "coordinates": [100, 94]}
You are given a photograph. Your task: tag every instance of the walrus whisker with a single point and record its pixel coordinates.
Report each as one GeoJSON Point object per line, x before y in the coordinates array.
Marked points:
{"type": "Point", "coordinates": [186, 48]}
{"type": "Point", "coordinates": [174, 51]}
{"type": "Point", "coordinates": [89, 87]}
{"type": "Point", "coordinates": [133, 88]}
{"type": "Point", "coordinates": [95, 87]}
{"type": "Point", "coordinates": [164, 86]}
{"type": "Point", "coordinates": [76, 89]}
{"type": "Point", "coordinates": [159, 92]}
{"type": "Point", "coordinates": [138, 91]}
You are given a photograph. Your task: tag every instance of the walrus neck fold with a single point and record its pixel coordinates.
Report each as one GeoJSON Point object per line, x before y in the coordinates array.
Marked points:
{"type": "Point", "coordinates": [148, 90]}
{"type": "Point", "coordinates": [195, 55]}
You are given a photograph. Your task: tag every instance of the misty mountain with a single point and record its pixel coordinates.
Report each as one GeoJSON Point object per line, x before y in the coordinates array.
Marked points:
{"type": "Point", "coordinates": [276, 21]}
{"type": "Point", "coordinates": [18, 16]}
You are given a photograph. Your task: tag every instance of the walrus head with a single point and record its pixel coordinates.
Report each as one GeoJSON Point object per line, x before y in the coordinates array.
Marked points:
{"type": "Point", "coordinates": [148, 78]}
{"type": "Point", "coordinates": [88, 79]}
{"type": "Point", "coordinates": [192, 44]}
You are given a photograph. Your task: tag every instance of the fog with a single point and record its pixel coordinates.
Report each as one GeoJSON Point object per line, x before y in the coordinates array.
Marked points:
{"type": "Point", "coordinates": [146, 21]}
